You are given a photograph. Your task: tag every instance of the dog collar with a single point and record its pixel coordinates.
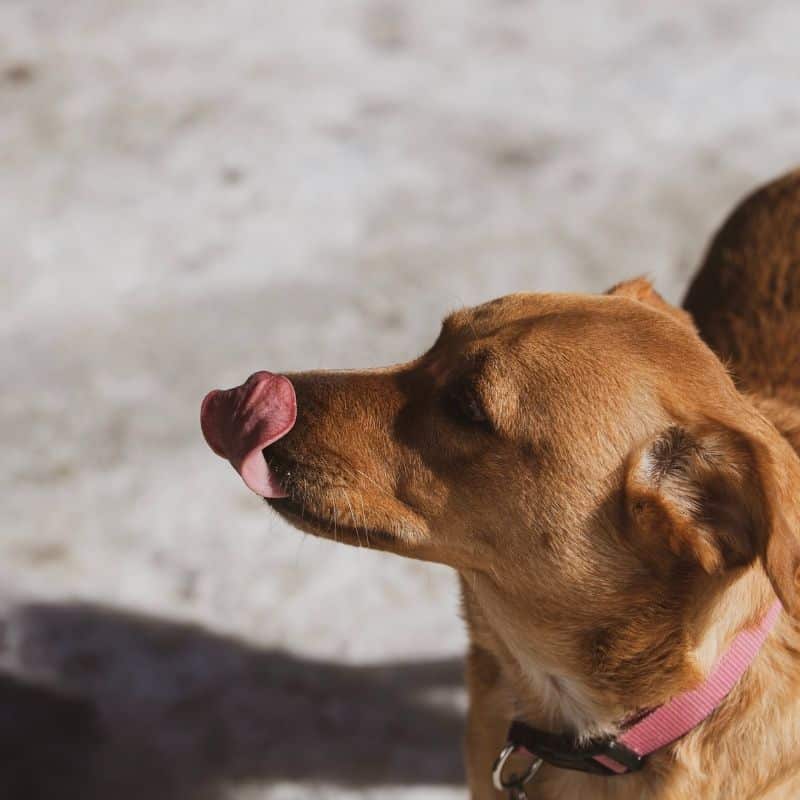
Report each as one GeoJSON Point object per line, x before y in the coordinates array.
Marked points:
{"type": "Point", "coordinates": [644, 734]}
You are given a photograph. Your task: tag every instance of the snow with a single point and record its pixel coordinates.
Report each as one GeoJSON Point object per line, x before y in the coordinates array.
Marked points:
{"type": "Point", "coordinates": [195, 191]}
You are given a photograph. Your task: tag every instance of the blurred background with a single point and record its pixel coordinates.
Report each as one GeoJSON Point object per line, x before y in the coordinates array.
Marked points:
{"type": "Point", "coordinates": [193, 191]}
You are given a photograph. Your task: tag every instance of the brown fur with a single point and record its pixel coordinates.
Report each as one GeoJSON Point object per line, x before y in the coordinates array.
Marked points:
{"type": "Point", "coordinates": [616, 507]}
{"type": "Point", "coordinates": [746, 297]}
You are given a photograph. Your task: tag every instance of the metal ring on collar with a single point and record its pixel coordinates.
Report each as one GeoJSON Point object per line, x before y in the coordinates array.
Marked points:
{"type": "Point", "coordinates": [515, 781]}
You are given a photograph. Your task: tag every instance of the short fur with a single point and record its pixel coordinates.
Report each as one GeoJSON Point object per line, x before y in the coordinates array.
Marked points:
{"type": "Point", "coordinates": [616, 506]}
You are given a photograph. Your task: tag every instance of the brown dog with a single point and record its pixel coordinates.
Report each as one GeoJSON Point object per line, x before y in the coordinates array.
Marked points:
{"type": "Point", "coordinates": [616, 506]}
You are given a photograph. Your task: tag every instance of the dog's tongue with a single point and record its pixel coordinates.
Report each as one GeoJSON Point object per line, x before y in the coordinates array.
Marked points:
{"type": "Point", "coordinates": [239, 423]}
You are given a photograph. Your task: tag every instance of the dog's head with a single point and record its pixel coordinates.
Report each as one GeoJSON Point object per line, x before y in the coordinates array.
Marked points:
{"type": "Point", "coordinates": [585, 461]}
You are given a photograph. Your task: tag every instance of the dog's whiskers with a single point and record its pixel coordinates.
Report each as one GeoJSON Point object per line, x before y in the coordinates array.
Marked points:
{"type": "Point", "coordinates": [352, 514]}
{"type": "Point", "coordinates": [364, 519]}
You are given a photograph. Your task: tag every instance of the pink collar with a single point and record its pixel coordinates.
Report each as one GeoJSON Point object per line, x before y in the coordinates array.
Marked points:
{"type": "Point", "coordinates": [651, 732]}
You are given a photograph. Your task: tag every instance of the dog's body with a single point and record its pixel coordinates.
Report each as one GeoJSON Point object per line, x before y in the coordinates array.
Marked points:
{"type": "Point", "coordinates": [616, 507]}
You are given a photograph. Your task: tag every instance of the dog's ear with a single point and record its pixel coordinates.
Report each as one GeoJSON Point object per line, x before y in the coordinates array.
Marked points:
{"type": "Point", "coordinates": [720, 498]}
{"type": "Point", "coordinates": [641, 290]}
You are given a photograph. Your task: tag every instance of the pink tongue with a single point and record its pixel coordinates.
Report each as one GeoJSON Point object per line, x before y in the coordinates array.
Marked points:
{"type": "Point", "coordinates": [239, 423]}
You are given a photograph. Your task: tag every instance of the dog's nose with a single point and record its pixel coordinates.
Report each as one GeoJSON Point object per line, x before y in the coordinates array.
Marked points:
{"type": "Point", "coordinates": [239, 423]}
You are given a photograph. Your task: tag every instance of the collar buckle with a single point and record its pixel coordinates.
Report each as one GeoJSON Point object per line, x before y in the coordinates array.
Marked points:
{"type": "Point", "coordinates": [599, 756]}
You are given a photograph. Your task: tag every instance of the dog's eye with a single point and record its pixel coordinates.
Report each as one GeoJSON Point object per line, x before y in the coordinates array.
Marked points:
{"type": "Point", "coordinates": [467, 406]}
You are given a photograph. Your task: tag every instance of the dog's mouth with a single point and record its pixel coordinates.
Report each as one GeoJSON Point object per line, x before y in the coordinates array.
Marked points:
{"type": "Point", "coordinates": [311, 505]}
{"type": "Point", "coordinates": [303, 515]}
{"type": "Point", "coordinates": [245, 424]}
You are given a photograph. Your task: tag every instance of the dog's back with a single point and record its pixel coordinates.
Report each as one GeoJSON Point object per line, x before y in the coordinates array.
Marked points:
{"type": "Point", "coordinates": [745, 299]}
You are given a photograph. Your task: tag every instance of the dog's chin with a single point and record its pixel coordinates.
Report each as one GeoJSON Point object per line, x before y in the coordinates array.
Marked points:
{"type": "Point", "coordinates": [304, 517]}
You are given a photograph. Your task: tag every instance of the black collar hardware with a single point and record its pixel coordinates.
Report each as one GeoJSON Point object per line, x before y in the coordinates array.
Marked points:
{"type": "Point", "coordinates": [566, 752]}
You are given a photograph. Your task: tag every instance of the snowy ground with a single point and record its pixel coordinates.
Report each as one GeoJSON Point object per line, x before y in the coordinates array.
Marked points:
{"type": "Point", "coordinates": [195, 190]}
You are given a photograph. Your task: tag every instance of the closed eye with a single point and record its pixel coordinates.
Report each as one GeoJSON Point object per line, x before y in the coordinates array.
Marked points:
{"type": "Point", "coordinates": [464, 404]}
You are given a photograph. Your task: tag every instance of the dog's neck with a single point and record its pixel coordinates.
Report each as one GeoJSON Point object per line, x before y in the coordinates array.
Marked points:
{"type": "Point", "coordinates": [558, 702]}
{"type": "Point", "coordinates": [712, 752]}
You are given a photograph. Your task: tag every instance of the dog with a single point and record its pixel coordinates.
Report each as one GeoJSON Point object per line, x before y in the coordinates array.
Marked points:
{"type": "Point", "coordinates": [616, 481]}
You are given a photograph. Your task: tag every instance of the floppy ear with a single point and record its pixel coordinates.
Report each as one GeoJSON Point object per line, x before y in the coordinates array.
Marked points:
{"type": "Point", "coordinates": [720, 498]}
{"type": "Point", "coordinates": [641, 290]}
